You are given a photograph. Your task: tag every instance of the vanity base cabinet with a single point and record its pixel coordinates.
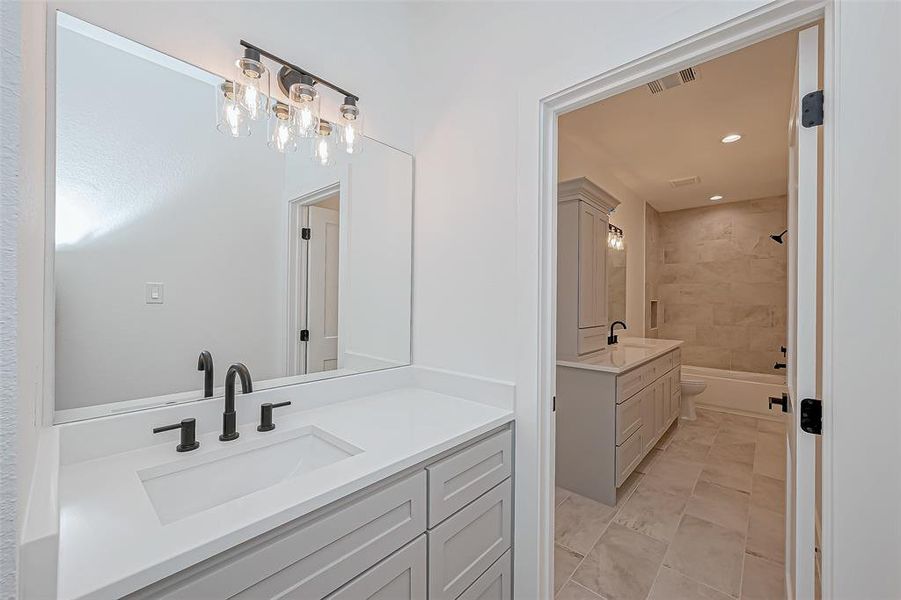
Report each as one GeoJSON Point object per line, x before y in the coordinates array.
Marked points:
{"type": "Point", "coordinates": [608, 422]}
{"type": "Point", "coordinates": [377, 543]}
{"type": "Point", "coordinates": [494, 584]}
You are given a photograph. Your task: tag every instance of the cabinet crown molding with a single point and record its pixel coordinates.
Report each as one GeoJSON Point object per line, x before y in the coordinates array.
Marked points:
{"type": "Point", "coordinates": [585, 190]}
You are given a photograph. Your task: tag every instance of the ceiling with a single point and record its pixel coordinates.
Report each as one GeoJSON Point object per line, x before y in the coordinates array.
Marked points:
{"type": "Point", "coordinates": [645, 140]}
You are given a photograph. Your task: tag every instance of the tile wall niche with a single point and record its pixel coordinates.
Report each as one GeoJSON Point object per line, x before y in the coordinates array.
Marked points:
{"type": "Point", "coordinates": [721, 282]}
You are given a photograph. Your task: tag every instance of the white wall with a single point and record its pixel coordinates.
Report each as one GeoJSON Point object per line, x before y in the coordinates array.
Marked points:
{"type": "Point", "coordinates": [575, 160]}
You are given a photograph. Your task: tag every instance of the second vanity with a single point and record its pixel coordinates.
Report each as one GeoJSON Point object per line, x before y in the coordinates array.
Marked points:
{"type": "Point", "coordinates": [401, 494]}
{"type": "Point", "coordinates": [612, 408]}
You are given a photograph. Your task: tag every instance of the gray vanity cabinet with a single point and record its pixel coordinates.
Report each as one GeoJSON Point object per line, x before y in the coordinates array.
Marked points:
{"type": "Point", "coordinates": [433, 532]}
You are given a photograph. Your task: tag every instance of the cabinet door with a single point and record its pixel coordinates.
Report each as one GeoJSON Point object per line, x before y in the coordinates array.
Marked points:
{"type": "Point", "coordinates": [493, 584]}
{"type": "Point", "coordinates": [660, 404]}
{"type": "Point", "coordinates": [648, 418]}
{"type": "Point", "coordinates": [401, 576]}
{"type": "Point", "coordinates": [600, 268]}
{"type": "Point", "coordinates": [588, 286]}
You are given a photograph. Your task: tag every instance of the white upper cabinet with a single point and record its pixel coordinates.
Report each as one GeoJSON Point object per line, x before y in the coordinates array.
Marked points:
{"type": "Point", "coordinates": [582, 218]}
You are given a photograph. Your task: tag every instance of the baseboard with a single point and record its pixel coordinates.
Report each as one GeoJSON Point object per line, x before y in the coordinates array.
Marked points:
{"type": "Point", "coordinates": [743, 413]}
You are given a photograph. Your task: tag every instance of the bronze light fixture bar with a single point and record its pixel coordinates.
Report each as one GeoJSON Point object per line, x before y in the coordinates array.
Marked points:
{"type": "Point", "coordinates": [290, 73]}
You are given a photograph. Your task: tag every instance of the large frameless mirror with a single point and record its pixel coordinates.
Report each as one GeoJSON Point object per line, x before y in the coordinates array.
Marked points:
{"type": "Point", "coordinates": [172, 239]}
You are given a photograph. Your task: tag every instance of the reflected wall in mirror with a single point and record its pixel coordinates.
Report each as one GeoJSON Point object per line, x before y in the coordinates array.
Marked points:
{"type": "Point", "coordinates": [172, 238]}
{"type": "Point", "coordinates": [616, 283]}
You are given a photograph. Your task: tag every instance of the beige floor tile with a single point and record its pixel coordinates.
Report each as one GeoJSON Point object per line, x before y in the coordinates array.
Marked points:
{"type": "Point", "coordinates": [773, 443]}
{"type": "Point", "coordinates": [728, 434]}
{"type": "Point", "coordinates": [565, 563]}
{"type": "Point", "coordinates": [624, 491]}
{"type": "Point", "coordinates": [770, 464]}
{"type": "Point", "coordinates": [574, 591]}
{"type": "Point", "coordinates": [667, 437]}
{"type": "Point", "coordinates": [742, 452]}
{"type": "Point", "coordinates": [728, 473]}
{"type": "Point", "coordinates": [708, 553]}
{"type": "Point", "coordinates": [766, 534]}
{"type": "Point", "coordinates": [721, 505]}
{"type": "Point", "coordinates": [707, 418]}
{"type": "Point", "coordinates": [560, 495]}
{"type": "Point", "coordinates": [762, 580]}
{"type": "Point", "coordinates": [622, 565]}
{"type": "Point", "coordinates": [689, 451]}
{"type": "Point", "coordinates": [696, 433]}
{"type": "Point", "coordinates": [768, 493]}
{"type": "Point", "coordinates": [672, 585]}
{"type": "Point", "coordinates": [739, 420]}
{"type": "Point", "coordinates": [673, 476]}
{"type": "Point", "coordinates": [771, 426]}
{"type": "Point", "coordinates": [652, 512]}
{"type": "Point", "coordinates": [579, 522]}
{"type": "Point", "coordinates": [648, 460]}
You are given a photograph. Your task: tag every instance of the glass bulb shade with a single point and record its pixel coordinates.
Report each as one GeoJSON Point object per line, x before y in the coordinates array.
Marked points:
{"type": "Point", "coordinates": [350, 129]}
{"type": "Point", "coordinates": [305, 106]}
{"type": "Point", "coordinates": [252, 81]}
{"type": "Point", "coordinates": [324, 145]}
{"type": "Point", "coordinates": [231, 119]}
{"type": "Point", "coordinates": [281, 131]}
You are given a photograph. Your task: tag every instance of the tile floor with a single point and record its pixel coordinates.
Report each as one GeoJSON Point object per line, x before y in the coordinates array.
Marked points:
{"type": "Point", "coordinates": [702, 517]}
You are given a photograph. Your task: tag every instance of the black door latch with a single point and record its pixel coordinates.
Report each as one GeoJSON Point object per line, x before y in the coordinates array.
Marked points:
{"type": "Point", "coordinates": [812, 416]}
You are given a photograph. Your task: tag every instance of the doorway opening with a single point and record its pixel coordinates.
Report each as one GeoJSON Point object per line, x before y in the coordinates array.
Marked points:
{"type": "Point", "coordinates": [313, 282]}
{"type": "Point", "coordinates": [680, 321]}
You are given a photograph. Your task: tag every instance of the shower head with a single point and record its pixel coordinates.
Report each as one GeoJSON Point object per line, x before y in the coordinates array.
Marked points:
{"type": "Point", "coordinates": [778, 238]}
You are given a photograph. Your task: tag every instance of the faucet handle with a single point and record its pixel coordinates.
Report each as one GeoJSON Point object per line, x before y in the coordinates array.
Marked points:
{"type": "Point", "coordinates": [188, 429]}
{"type": "Point", "coordinates": [266, 423]}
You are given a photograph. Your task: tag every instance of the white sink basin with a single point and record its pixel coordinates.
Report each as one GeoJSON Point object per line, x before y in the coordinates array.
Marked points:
{"type": "Point", "coordinates": [193, 484]}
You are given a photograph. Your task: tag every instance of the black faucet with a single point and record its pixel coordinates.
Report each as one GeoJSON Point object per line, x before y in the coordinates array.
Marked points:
{"type": "Point", "coordinates": [612, 339]}
{"type": "Point", "coordinates": [229, 429]}
{"type": "Point", "coordinates": [205, 364]}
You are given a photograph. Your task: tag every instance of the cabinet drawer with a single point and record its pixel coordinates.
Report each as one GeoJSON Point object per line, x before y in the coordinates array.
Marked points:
{"type": "Point", "coordinates": [591, 339]}
{"type": "Point", "coordinates": [677, 357]}
{"type": "Point", "coordinates": [466, 544]}
{"type": "Point", "coordinates": [310, 558]}
{"type": "Point", "coordinates": [628, 418]}
{"type": "Point", "coordinates": [461, 478]}
{"type": "Point", "coordinates": [629, 384]}
{"type": "Point", "coordinates": [494, 584]}
{"type": "Point", "coordinates": [401, 576]}
{"type": "Point", "coordinates": [629, 454]}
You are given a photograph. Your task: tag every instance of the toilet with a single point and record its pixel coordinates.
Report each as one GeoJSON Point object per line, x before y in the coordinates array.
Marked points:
{"type": "Point", "coordinates": [690, 389]}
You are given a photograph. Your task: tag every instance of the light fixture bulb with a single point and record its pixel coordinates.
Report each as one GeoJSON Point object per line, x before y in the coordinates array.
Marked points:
{"type": "Point", "coordinates": [231, 120]}
{"type": "Point", "coordinates": [252, 81]}
{"type": "Point", "coordinates": [716, 198]}
{"type": "Point", "coordinates": [305, 101]}
{"type": "Point", "coordinates": [350, 126]}
{"type": "Point", "coordinates": [732, 137]}
{"type": "Point", "coordinates": [281, 130]}
{"type": "Point", "coordinates": [323, 145]}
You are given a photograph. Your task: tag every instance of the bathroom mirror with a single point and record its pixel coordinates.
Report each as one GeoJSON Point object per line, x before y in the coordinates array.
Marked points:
{"type": "Point", "coordinates": [171, 238]}
{"type": "Point", "coordinates": [616, 284]}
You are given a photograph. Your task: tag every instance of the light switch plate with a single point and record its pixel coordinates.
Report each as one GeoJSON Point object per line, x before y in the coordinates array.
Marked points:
{"type": "Point", "coordinates": [153, 293]}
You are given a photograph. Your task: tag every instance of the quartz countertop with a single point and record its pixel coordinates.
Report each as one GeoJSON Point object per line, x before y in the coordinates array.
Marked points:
{"type": "Point", "coordinates": [627, 354]}
{"type": "Point", "coordinates": [112, 542]}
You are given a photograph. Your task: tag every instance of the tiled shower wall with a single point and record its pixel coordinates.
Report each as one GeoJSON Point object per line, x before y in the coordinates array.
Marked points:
{"type": "Point", "coordinates": [721, 282]}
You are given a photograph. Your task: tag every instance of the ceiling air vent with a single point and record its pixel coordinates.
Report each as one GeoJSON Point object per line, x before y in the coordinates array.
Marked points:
{"type": "Point", "coordinates": [673, 80]}
{"type": "Point", "coordinates": [677, 183]}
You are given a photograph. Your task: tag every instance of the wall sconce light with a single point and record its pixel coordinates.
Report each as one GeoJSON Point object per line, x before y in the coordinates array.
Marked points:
{"type": "Point", "coordinates": [614, 237]}
{"type": "Point", "coordinates": [324, 145]}
{"type": "Point", "coordinates": [247, 98]}
{"type": "Point", "coordinates": [281, 131]}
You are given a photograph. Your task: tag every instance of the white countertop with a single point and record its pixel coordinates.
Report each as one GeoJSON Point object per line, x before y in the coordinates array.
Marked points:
{"type": "Point", "coordinates": [111, 539]}
{"type": "Point", "coordinates": [624, 356]}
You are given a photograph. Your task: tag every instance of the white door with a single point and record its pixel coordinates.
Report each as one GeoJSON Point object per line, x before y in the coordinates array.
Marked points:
{"type": "Point", "coordinates": [802, 325]}
{"type": "Point", "coordinates": [322, 290]}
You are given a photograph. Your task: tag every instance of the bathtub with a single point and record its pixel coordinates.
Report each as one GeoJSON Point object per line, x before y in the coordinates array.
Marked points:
{"type": "Point", "coordinates": [736, 391]}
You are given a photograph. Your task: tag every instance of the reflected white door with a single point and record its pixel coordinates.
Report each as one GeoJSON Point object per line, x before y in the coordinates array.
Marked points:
{"type": "Point", "coordinates": [322, 290]}
{"type": "Point", "coordinates": [802, 325]}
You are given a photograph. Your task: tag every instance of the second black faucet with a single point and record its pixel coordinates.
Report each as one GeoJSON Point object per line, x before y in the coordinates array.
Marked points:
{"type": "Point", "coordinates": [229, 417]}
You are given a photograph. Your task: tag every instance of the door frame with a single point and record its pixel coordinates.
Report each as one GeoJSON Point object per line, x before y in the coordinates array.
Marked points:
{"type": "Point", "coordinates": [298, 217]}
{"type": "Point", "coordinates": [745, 30]}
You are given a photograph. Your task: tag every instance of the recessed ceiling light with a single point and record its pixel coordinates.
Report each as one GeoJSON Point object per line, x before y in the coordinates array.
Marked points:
{"type": "Point", "coordinates": [732, 137]}
{"type": "Point", "coordinates": [717, 197]}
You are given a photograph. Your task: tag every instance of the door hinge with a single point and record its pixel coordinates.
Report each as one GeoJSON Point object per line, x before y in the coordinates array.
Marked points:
{"type": "Point", "coordinates": [812, 415]}
{"type": "Point", "coordinates": [305, 233]}
{"type": "Point", "coordinates": [304, 335]}
{"type": "Point", "coordinates": [812, 109]}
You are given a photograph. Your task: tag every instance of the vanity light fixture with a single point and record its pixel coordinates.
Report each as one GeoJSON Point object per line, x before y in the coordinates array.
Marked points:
{"type": "Point", "coordinates": [614, 237]}
{"type": "Point", "coordinates": [282, 137]}
{"type": "Point", "coordinates": [731, 138]}
{"type": "Point", "coordinates": [247, 98]}
{"type": "Point", "coordinates": [324, 145]}
{"type": "Point", "coordinates": [716, 198]}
